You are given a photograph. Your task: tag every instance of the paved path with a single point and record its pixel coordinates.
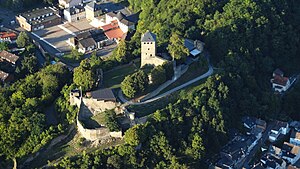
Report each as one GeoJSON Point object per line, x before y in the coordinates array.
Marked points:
{"type": "Point", "coordinates": [205, 75]}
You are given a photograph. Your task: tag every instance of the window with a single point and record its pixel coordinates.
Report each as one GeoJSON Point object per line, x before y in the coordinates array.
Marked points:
{"type": "Point", "coordinates": [148, 48]}
{"type": "Point", "coordinates": [151, 43]}
{"type": "Point", "coordinates": [146, 53]}
{"type": "Point", "coordinates": [150, 54]}
{"type": "Point", "coordinates": [144, 43]}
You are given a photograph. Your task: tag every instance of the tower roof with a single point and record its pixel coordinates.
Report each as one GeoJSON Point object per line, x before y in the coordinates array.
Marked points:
{"type": "Point", "coordinates": [148, 37]}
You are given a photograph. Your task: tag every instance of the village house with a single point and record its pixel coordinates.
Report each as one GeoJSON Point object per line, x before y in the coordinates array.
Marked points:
{"type": "Point", "coordinates": [295, 138]}
{"type": "Point", "coordinates": [195, 47]}
{"type": "Point", "coordinates": [279, 82]}
{"type": "Point", "coordinates": [271, 161]}
{"type": "Point", "coordinates": [148, 50]}
{"type": "Point", "coordinates": [8, 57]}
{"type": "Point", "coordinates": [8, 37]}
{"type": "Point", "coordinates": [6, 77]}
{"type": "Point", "coordinates": [70, 3]}
{"type": "Point", "coordinates": [254, 126]}
{"type": "Point", "coordinates": [89, 41]}
{"type": "Point", "coordinates": [74, 13]}
{"type": "Point", "coordinates": [39, 18]}
{"type": "Point", "coordinates": [280, 128]}
{"type": "Point", "coordinates": [93, 10]}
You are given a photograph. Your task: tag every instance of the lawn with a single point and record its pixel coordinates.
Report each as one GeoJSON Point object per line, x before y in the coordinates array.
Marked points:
{"type": "Point", "coordinates": [113, 78]}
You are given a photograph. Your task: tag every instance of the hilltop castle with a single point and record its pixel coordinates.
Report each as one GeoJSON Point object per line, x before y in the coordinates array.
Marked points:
{"type": "Point", "coordinates": [148, 50]}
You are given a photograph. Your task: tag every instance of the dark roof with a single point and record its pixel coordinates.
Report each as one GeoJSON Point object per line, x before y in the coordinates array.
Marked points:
{"type": "Point", "coordinates": [83, 35]}
{"type": "Point", "coordinates": [188, 43]}
{"type": "Point", "coordinates": [95, 6]}
{"type": "Point", "coordinates": [38, 15]}
{"type": "Point", "coordinates": [103, 94]}
{"type": "Point", "coordinates": [3, 75]}
{"type": "Point", "coordinates": [9, 57]}
{"type": "Point", "coordinates": [98, 35]}
{"type": "Point", "coordinates": [278, 72]}
{"type": "Point", "coordinates": [148, 37]}
{"type": "Point", "coordinates": [75, 9]}
{"type": "Point", "coordinates": [87, 42]}
{"type": "Point", "coordinates": [121, 17]}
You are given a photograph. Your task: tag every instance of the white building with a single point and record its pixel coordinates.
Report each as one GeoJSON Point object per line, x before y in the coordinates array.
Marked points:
{"type": "Point", "coordinates": [124, 24]}
{"type": "Point", "coordinates": [279, 82]}
{"type": "Point", "coordinates": [280, 128]}
{"type": "Point", "coordinates": [295, 138]}
{"type": "Point", "coordinates": [69, 3]}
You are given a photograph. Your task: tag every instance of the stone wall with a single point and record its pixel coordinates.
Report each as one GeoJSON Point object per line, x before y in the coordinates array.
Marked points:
{"type": "Point", "coordinates": [154, 60]}
{"type": "Point", "coordinates": [99, 106]}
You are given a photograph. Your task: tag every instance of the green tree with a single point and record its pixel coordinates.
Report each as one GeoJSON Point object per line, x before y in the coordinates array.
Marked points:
{"type": "Point", "coordinates": [84, 76]}
{"type": "Point", "coordinates": [158, 75]}
{"type": "Point", "coordinates": [176, 47]}
{"type": "Point", "coordinates": [120, 53]}
{"type": "Point", "coordinates": [114, 161]}
{"type": "Point", "coordinates": [135, 135]}
{"type": "Point", "coordinates": [3, 46]}
{"type": "Point", "coordinates": [22, 40]}
{"type": "Point", "coordinates": [135, 84]}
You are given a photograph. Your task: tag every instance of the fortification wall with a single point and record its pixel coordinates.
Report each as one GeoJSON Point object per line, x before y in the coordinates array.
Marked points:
{"type": "Point", "coordinates": [98, 106]}
{"type": "Point", "coordinates": [156, 61]}
{"type": "Point", "coordinates": [97, 133]}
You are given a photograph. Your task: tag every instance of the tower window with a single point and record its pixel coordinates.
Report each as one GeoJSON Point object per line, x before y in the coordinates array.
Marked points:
{"type": "Point", "coordinates": [148, 48]}
{"type": "Point", "coordinates": [144, 43]}
{"type": "Point", "coordinates": [150, 42]}
{"type": "Point", "coordinates": [150, 54]}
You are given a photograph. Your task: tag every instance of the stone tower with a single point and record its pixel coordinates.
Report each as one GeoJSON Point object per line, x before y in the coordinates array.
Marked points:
{"type": "Point", "coordinates": [148, 48]}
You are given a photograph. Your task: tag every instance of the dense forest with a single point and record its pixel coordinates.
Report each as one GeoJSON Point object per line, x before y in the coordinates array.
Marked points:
{"type": "Point", "coordinates": [247, 41]}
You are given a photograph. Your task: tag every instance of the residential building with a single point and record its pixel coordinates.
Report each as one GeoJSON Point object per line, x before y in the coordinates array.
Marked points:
{"type": "Point", "coordinates": [5, 77]}
{"type": "Point", "coordinates": [74, 13]}
{"type": "Point", "coordinates": [295, 138]}
{"type": "Point", "coordinates": [8, 37]}
{"type": "Point", "coordinates": [195, 47]}
{"type": "Point", "coordinates": [93, 10]}
{"type": "Point", "coordinates": [279, 82]}
{"type": "Point", "coordinates": [70, 3]}
{"type": "Point", "coordinates": [290, 152]}
{"type": "Point", "coordinates": [39, 18]}
{"type": "Point", "coordinates": [270, 161]}
{"type": "Point", "coordinates": [280, 128]}
{"type": "Point", "coordinates": [235, 151]}
{"type": "Point", "coordinates": [89, 41]}
{"type": "Point", "coordinates": [254, 126]}
{"type": "Point", "coordinates": [148, 50]}
{"type": "Point", "coordinates": [9, 57]}
{"type": "Point", "coordinates": [125, 24]}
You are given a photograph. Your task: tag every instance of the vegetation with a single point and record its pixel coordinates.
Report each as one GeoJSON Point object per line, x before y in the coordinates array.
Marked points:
{"type": "Point", "coordinates": [3, 46]}
{"type": "Point", "coordinates": [111, 120]}
{"type": "Point", "coordinates": [84, 76]}
{"type": "Point", "coordinates": [23, 129]}
{"type": "Point", "coordinates": [176, 47]}
{"type": "Point", "coordinates": [23, 40]}
{"type": "Point", "coordinates": [158, 75]}
{"type": "Point", "coordinates": [135, 84]}
{"type": "Point", "coordinates": [74, 56]}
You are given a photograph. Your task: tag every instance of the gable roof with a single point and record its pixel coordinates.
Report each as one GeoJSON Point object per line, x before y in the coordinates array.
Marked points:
{"type": "Point", "coordinates": [9, 57]}
{"type": "Point", "coordinates": [88, 42]}
{"type": "Point", "coordinates": [3, 75]}
{"type": "Point", "coordinates": [121, 17]}
{"type": "Point", "coordinates": [278, 72]}
{"type": "Point", "coordinates": [103, 94]}
{"type": "Point", "coordinates": [148, 37]}
{"type": "Point", "coordinates": [280, 80]}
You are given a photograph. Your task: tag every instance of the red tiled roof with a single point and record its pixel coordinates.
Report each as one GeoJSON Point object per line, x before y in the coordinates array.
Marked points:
{"type": "Point", "coordinates": [113, 25]}
{"type": "Point", "coordinates": [7, 35]}
{"type": "Point", "coordinates": [114, 33]}
{"type": "Point", "coordinates": [280, 80]}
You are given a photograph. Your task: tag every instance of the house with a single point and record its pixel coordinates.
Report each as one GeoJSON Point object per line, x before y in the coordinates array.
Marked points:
{"type": "Point", "coordinates": [6, 77]}
{"type": "Point", "coordinates": [279, 82]}
{"type": "Point", "coordinates": [148, 50]}
{"type": "Point", "coordinates": [235, 151]}
{"type": "Point", "coordinates": [93, 10]}
{"type": "Point", "coordinates": [74, 13]}
{"type": "Point", "coordinates": [89, 41]}
{"type": "Point", "coordinates": [8, 37]}
{"type": "Point", "coordinates": [195, 47]}
{"type": "Point", "coordinates": [271, 161]}
{"type": "Point", "coordinates": [39, 18]}
{"type": "Point", "coordinates": [295, 138]}
{"type": "Point", "coordinates": [280, 128]}
{"type": "Point", "coordinates": [254, 126]}
{"type": "Point", "coordinates": [9, 57]}
{"type": "Point", "coordinates": [70, 3]}
{"type": "Point", "coordinates": [290, 152]}
{"type": "Point", "coordinates": [124, 22]}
